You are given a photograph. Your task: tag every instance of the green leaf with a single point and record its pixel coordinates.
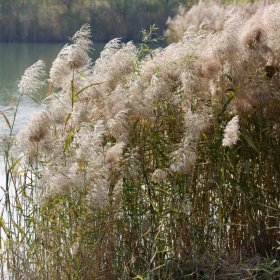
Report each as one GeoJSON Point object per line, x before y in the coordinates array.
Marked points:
{"type": "Point", "coordinates": [4, 227]}
{"type": "Point", "coordinates": [6, 120]}
{"type": "Point", "coordinates": [69, 140]}
{"type": "Point", "coordinates": [250, 142]}
{"type": "Point", "coordinates": [14, 164]}
{"type": "Point", "coordinates": [67, 119]}
{"type": "Point", "coordinates": [139, 277]}
{"type": "Point", "coordinates": [88, 86]}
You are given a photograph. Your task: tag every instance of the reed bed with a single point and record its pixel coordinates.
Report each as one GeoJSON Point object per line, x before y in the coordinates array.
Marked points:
{"type": "Point", "coordinates": [150, 164]}
{"type": "Point", "coordinates": [211, 13]}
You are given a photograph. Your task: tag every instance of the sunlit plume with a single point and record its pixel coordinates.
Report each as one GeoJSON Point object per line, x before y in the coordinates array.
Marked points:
{"type": "Point", "coordinates": [73, 56]}
{"type": "Point", "coordinates": [231, 134]}
{"type": "Point", "coordinates": [32, 79]}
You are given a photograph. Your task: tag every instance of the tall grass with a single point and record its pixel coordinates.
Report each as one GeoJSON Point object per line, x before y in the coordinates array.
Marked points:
{"type": "Point", "coordinates": [150, 164]}
{"type": "Point", "coordinates": [212, 13]}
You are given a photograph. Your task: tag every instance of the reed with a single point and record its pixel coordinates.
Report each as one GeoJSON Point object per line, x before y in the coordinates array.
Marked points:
{"type": "Point", "coordinates": [212, 13]}
{"type": "Point", "coordinates": [151, 164]}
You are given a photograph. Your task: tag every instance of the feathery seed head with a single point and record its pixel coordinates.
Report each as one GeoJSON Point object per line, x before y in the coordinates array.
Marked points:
{"type": "Point", "coordinates": [158, 176]}
{"type": "Point", "coordinates": [32, 79]}
{"type": "Point", "coordinates": [210, 68]}
{"type": "Point", "coordinates": [231, 134]}
{"type": "Point", "coordinates": [82, 44]}
{"type": "Point", "coordinates": [184, 157]}
{"type": "Point", "coordinates": [114, 154]}
{"type": "Point", "coordinates": [71, 56]}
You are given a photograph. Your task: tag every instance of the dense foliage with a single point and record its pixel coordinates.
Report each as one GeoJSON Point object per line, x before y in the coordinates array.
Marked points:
{"type": "Point", "coordinates": [54, 20]}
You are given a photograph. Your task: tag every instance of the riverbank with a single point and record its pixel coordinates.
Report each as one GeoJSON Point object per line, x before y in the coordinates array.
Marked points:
{"type": "Point", "coordinates": [53, 21]}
